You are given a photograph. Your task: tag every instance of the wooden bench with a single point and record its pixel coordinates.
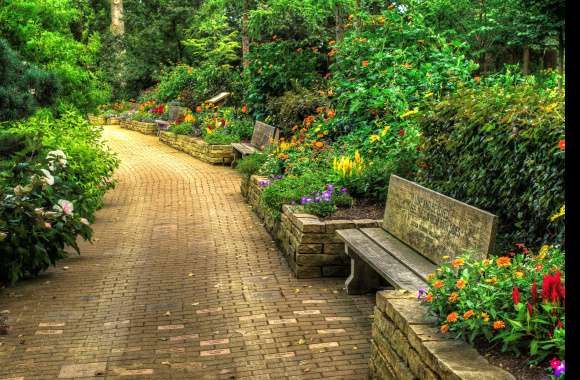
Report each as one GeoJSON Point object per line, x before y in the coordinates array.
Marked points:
{"type": "Point", "coordinates": [419, 228]}
{"type": "Point", "coordinates": [263, 136]}
{"type": "Point", "coordinates": [218, 98]}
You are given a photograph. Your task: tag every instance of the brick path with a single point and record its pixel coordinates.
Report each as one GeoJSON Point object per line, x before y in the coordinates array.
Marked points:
{"type": "Point", "coordinates": [182, 282]}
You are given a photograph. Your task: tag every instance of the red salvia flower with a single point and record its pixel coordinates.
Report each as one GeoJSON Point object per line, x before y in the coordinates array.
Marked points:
{"type": "Point", "coordinates": [401, 132]}
{"type": "Point", "coordinates": [552, 288]}
{"type": "Point", "coordinates": [530, 309]}
{"type": "Point", "coordinates": [535, 292]}
{"type": "Point", "coordinates": [559, 323]}
{"type": "Point", "coordinates": [516, 295]}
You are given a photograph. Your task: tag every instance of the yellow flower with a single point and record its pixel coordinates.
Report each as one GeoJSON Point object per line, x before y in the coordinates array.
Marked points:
{"type": "Point", "coordinates": [457, 263]}
{"type": "Point", "coordinates": [409, 113]}
{"type": "Point", "coordinates": [385, 131]}
{"type": "Point", "coordinates": [486, 262]}
{"type": "Point", "coordinates": [543, 252]}
{"type": "Point", "coordinates": [519, 274]}
{"type": "Point", "coordinates": [559, 214]}
{"type": "Point", "coordinates": [445, 257]}
{"type": "Point", "coordinates": [427, 95]}
{"type": "Point", "coordinates": [485, 317]}
{"type": "Point", "coordinates": [492, 280]}
{"type": "Point", "coordinates": [375, 138]}
{"type": "Point", "coordinates": [430, 276]}
{"type": "Point", "coordinates": [453, 297]}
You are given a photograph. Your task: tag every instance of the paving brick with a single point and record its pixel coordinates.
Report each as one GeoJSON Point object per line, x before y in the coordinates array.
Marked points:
{"type": "Point", "coordinates": [128, 303]}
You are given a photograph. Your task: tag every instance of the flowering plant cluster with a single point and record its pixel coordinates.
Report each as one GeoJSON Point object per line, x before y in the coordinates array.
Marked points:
{"type": "Point", "coordinates": [324, 203]}
{"type": "Point", "coordinates": [517, 299]}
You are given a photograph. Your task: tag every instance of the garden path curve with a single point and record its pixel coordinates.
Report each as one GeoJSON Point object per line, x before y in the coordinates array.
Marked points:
{"type": "Point", "coordinates": [181, 282]}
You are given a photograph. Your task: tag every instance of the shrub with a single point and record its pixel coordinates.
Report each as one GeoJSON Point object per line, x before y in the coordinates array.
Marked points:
{"type": "Point", "coordinates": [249, 165]}
{"type": "Point", "coordinates": [498, 148]}
{"type": "Point", "coordinates": [325, 203]}
{"type": "Point", "coordinates": [517, 299]}
{"type": "Point", "coordinates": [290, 190]}
{"type": "Point", "coordinates": [182, 129]}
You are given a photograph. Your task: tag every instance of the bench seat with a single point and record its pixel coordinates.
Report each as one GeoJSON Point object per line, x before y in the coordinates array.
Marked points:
{"type": "Point", "coordinates": [377, 255]}
{"type": "Point", "coordinates": [244, 148]}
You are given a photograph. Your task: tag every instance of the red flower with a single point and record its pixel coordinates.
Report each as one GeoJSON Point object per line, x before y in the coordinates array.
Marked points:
{"type": "Point", "coordinates": [530, 309]}
{"type": "Point", "coordinates": [535, 292]}
{"type": "Point", "coordinates": [198, 109]}
{"type": "Point", "coordinates": [402, 132]}
{"type": "Point", "coordinates": [555, 363]}
{"type": "Point", "coordinates": [244, 109]}
{"type": "Point", "coordinates": [365, 63]}
{"type": "Point", "coordinates": [516, 295]}
{"type": "Point", "coordinates": [562, 144]}
{"type": "Point", "coordinates": [520, 245]}
{"type": "Point", "coordinates": [223, 122]}
{"type": "Point", "coordinates": [552, 288]}
{"type": "Point", "coordinates": [559, 323]}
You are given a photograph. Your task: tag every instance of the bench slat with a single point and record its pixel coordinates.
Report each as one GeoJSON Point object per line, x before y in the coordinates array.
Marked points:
{"type": "Point", "coordinates": [413, 260]}
{"type": "Point", "coordinates": [243, 148]}
{"type": "Point", "coordinates": [395, 272]}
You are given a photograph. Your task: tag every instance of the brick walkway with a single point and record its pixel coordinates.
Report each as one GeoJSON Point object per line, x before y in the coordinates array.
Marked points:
{"type": "Point", "coordinates": [182, 282]}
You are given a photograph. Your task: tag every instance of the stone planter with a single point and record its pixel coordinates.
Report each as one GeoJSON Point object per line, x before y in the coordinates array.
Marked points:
{"type": "Point", "coordinates": [113, 120]}
{"type": "Point", "coordinates": [145, 127]}
{"type": "Point", "coordinates": [309, 244]}
{"type": "Point", "coordinates": [97, 120]}
{"type": "Point", "coordinates": [407, 345]}
{"type": "Point", "coordinates": [196, 147]}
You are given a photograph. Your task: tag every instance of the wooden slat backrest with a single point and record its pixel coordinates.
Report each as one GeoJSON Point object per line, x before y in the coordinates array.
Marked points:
{"type": "Point", "coordinates": [264, 135]}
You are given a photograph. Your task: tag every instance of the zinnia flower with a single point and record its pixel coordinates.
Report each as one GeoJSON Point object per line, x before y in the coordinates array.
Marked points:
{"type": "Point", "coordinates": [460, 284]}
{"type": "Point", "coordinates": [453, 297]}
{"type": "Point", "coordinates": [555, 363]}
{"type": "Point", "coordinates": [438, 284]}
{"type": "Point", "coordinates": [498, 325]}
{"type": "Point", "coordinates": [365, 63]}
{"type": "Point", "coordinates": [444, 328]}
{"type": "Point", "coordinates": [468, 314]}
{"type": "Point", "coordinates": [429, 297]}
{"type": "Point", "coordinates": [457, 263]}
{"type": "Point", "coordinates": [503, 261]}
{"type": "Point", "coordinates": [452, 317]}
{"type": "Point", "coordinates": [244, 108]}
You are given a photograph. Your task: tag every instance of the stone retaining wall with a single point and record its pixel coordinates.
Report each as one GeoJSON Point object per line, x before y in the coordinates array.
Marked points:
{"type": "Point", "coordinates": [147, 128]}
{"type": "Point", "coordinates": [309, 244]}
{"type": "Point", "coordinates": [113, 120]}
{"type": "Point", "coordinates": [407, 346]}
{"type": "Point", "coordinates": [196, 147]}
{"type": "Point", "coordinates": [97, 120]}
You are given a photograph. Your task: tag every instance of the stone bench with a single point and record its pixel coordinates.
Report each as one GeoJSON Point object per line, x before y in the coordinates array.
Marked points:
{"type": "Point", "coordinates": [263, 136]}
{"type": "Point", "coordinates": [419, 228]}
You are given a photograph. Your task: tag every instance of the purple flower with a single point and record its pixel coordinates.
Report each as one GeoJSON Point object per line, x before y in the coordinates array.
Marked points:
{"type": "Point", "coordinates": [343, 190]}
{"type": "Point", "coordinates": [305, 200]}
{"type": "Point", "coordinates": [422, 293]}
{"type": "Point", "coordinates": [560, 370]}
{"type": "Point", "coordinates": [263, 183]}
{"type": "Point", "coordinates": [326, 195]}
{"type": "Point", "coordinates": [330, 187]}
{"type": "Point", "coordinates": [317, 199]}
{"type": "Point", "coordinates": [292, 202]}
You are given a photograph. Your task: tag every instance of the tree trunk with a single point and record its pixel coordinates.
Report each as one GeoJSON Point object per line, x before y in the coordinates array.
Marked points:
{"type": "Point", "coordinates": [245, 37]}
{"type": "Point", "coordinates": [338, 19]}
{"type": "Point", "coordinates": [526, 59]}
{"type": "Point", "coordinates": [117, 23]}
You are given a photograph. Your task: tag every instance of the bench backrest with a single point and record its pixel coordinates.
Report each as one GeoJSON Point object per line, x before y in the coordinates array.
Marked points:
{"type": "Point", "coordinates": [436, 225]}
{"type": "Point", "coordinates": [218, 98]}
{"type": "Point", "coordinates": [264, 135]}
{"type": "Point", "coordinates": [175, 111]}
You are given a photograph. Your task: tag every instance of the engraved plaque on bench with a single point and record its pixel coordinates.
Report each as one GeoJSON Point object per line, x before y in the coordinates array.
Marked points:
{"type": "Point", "coordinates": [264, 135]}
{"type": "Point", "coordinates": [436, 225]}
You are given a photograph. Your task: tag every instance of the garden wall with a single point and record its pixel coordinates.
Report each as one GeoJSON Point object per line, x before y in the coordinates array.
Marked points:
{"type": "Point", "coordinates": [309, 244]}
{"type": "Point", "coordinates": [196, 147]}
{"type": "Point", "coordinates": [97, 120]}
{"type": "Point", "coordinates": [113, 120]}
{"type": "Point", "coordinates": [406, 345]}
{"type": "Point", "coordinates": [144, 127]}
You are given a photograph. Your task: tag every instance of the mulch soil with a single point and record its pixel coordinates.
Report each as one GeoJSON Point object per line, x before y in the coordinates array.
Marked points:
{"type": "Point", "coordinates": [362, 209]}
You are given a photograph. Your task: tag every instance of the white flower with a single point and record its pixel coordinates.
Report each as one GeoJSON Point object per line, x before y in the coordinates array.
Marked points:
{"type": "Point", "coordinates": [55, 155]}
{"type": "Point", "coordinates": [3, 235]}
{"type": "Point", "coordinates": [39, 211]}
{"type": "Point", "coordinates": [63, 162]}
{"type": "Point", "coordinates": [84, 221]}
{"type": "Point", "coordinates": [48, 178]}
{"type": "Point", "coordinates": [64, 206]}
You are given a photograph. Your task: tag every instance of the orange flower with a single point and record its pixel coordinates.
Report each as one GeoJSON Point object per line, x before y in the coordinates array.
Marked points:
{"type": "Point", "coordinates": [519, 274]}
{"type": "Point", "coordinates": [444, 328]}
{"type": "Point", "coordinates": [198, 109]}
{"type": "Point", "coordinates": [460, 283]}
{"type": "Point", "coordinates": [457, 263]}
{"type": "Point", "coordinates": [331, 42]}
{"type": "Point", "coordinates": [438, 284]}
{"type": "Point", "coordinates": [498, 325]}
{"type": "Point", "coordinates": [319, 109]}
{"type": "Point", "coordinates": [477, 78]}
{"type": "Point", "coordinates": [330, 93]}
{"type": "Point", "coordinates": [468, 314]}
{"type": "Point", "coordinates": [503, 261]}
{"type": "Point", "coordinates": [485, 317]}
{"type": "Point", "coordinates": [492, 280]}
{"type": "Point", "coordinates": [365, 63]}
{"type": "Point", "coordinates": [429, 297]}
{"type": "Point", "coordinates": [320, 135]}
{"type": "Point", "coordinates": [452, 317]}
{"type": "Point", "coordinates": [562, 144]}
{"type": "Point", "coordinates": [318, 144]}
{"type": "Point", "coordinates": [453, 297]}
{"type": "Point", "coordinates": [486, 262]}
{"type": "Point", "coordinates": [330, 113]}
{"type": "Point", "coordinates": [283, 156]}
{"type": "Point", "coordinates": [315, 50]}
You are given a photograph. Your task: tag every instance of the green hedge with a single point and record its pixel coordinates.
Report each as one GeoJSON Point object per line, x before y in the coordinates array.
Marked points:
{"type": "Point", "coordinates": [497, 147]}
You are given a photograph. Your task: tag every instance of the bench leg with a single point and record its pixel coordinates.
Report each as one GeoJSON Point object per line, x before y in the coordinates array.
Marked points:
{"type": "Point", "coordinates": [362, 279]}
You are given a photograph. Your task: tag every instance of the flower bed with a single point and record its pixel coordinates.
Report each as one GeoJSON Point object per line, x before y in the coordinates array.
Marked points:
{"type": "Point", "coordinates": [406, 345]}
{"type": "Point", "coordinates": [196, 147]}
{"type": "Point", "coordinates": [309, 244]}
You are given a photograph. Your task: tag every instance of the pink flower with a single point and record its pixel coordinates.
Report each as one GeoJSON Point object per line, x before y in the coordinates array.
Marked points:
{"type": "Point", "coordinates": [64, 206]}
{"type": "Point", "coordinates": [47, 225]}
{"type": "Point", "coordinates": [555, 363]}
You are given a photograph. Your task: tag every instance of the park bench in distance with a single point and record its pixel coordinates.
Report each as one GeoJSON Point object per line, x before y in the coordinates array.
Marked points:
{"type": "Point", "coordinates": [419, 228]}
{"type": "Point", "coordinates": [263, 136]}
{"type": "Point", "coordinates": [218, 98]}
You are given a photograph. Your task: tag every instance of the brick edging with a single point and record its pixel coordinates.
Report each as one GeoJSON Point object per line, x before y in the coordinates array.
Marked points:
{"type": "Point", "coordinates": [196, 147]}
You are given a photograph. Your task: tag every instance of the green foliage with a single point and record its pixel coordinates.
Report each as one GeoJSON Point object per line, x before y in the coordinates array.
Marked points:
{"type": "Point", "coordinates": [23, 87]}
{"type": "Point", "coordinates": [250, 164]}
{"type": "Point", "coordinates": [62, 163]}
{"type": "Point", "coordinates": [182, 129]}
{"type": "Point", "coordinates": [293, 106]}
{"type": "Point", "coordinates": [497, 147]}
{"type": "Point", "coordinates": [290, 189]}
{"type": "Point", "coordinates": [41, 33]}
{"type": "Point", "coordinates": [221, 136]}
{"type": "Point", "coordinates": [495, 299]}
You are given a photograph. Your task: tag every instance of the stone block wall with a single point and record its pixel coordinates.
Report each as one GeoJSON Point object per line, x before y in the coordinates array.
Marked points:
{"type": "Point", "coordinates": [113, 120]}
{"type": "Point", "coordinates": [196, 147]}
{"type": "Point", "coordinates": [97, 120]}
{"type": "Point", "coordinates": [147, 128]}
{"type": "Point", "coordinates": [406, 345]}
{"type": "Point", "coordinates": [310, 245]}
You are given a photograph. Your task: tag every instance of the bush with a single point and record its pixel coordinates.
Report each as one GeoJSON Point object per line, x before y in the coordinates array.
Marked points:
{"type": "Point", "coordinates": [249, 165]}
{"type": "Point", "coordinates": [498, 147]}
{"type": "Point", "coordinates": [49, 198]}
{"type": "Point", "coordinates": [517, 300]}
{"type": "Point", "coordinates": [290, 190]}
